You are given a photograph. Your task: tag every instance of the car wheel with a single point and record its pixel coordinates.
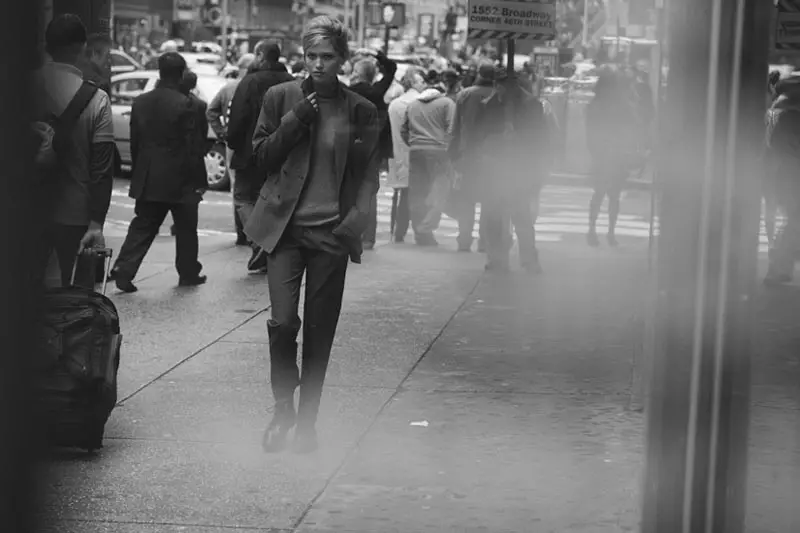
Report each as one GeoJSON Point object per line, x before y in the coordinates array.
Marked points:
{"type": "Point", "coordinates": [217, 169]}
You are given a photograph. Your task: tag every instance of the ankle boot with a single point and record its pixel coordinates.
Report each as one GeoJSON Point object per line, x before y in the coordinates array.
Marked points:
{"type": "Point", "coordinates": [282, 422]}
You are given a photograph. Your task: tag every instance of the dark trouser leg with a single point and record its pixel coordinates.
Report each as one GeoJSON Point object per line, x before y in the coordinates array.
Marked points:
{"type": "Point", "coordinates": [522, 218]}
{"type": "Point", "coordinates": [66, 240]}
{"type": "Point", "coordinates": [421, 173]}
{"type": "Point", "coordinates": [325, 277]}
{"type": "Point", "coordinates": [284, 276]}
{"type": "Point", "coordinates": [142, 231]}
{"type": "Point", "coordinates": [595, 203]}
{"type": "Point", "coordinates": [614, 196]}
{"type": "Point", "coordinates": [466, 223]}
{"type": "Point", "coordinates": [370, 234]}
{"type": "Point", "coordinates": [241, 238]}
{"type": "Point", "coordinates": [496, 222]}
{"type": "Point", "coordinates": [402, 218]}
{"type": "Point", "coordinates": [258, 260]}
{"type": "Point", "coordinates": [417, 188]}
{"type": "Point", "coordinates": [482, 231]}
{"type": "Point", "coordinates": [186, 243]}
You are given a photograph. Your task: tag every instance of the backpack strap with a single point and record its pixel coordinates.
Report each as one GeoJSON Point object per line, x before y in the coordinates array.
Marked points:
{"type": "Point", "coordinates": [67, 120]}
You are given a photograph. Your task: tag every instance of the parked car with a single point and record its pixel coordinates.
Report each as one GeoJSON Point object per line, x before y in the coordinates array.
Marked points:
{"type": "Point", "coordinates": [125, 87]}
{"type": "Point", "coordinates": [122, 62]}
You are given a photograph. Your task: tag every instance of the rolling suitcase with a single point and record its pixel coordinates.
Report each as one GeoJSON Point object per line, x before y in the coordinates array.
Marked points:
{"type": "Point", "coordinates": [77, 363]}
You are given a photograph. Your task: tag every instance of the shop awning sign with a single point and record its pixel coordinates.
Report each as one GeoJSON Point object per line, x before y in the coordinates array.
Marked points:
{"type": "Point", "coordinates": [533, 20]}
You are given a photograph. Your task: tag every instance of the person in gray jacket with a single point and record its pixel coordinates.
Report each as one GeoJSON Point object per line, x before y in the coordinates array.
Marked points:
{"type": "Point", "coordinates": [217, 116]}
{"type": "Point", "coordinates": [426, 130]}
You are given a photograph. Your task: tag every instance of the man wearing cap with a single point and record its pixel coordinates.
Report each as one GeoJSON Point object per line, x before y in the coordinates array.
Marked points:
{"type": "Point", "coordinates": [217, 115]}
{"type": "Point", "coordinates": [245, 107]}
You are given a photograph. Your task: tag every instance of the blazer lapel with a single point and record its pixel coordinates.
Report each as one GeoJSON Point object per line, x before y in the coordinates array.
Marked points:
{"type": "Point", "coordinates": [307, 87]}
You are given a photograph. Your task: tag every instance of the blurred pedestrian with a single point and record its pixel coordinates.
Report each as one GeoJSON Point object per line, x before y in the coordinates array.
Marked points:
{"type": "Point", "coordinates": [218, 114]}
{"type": "Point", "coordinates": [362, 82]}
{"type": "Point", "coordinates": [611, 131]}
{"type": "Point", "coordinates": [769, 194]}
{"type": "Point", "coordinates": [518, 155]}
{"type": "Point", "coordinates": [413, 82]}
{"type": "Point", "coordinates": [451, 83]}
{"type": "Point", "coordinates": [426, 131]}
{"type": "Point", "coordinates": [265, 72]}
{"type": "Point", "coordinates": [317, 142]}
{"type": "Point", "coordinates": [299, 70]}
{"type": "Point", "coordinates": [466, 145]}
{"type": "Point", "coordinates": [784, 157]}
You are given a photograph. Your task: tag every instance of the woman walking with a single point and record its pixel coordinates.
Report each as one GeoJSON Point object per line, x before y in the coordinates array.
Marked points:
{"type": "Point", "coordinates": [317, 143]}
{"type": "Point", "coordinates": [611, 128]}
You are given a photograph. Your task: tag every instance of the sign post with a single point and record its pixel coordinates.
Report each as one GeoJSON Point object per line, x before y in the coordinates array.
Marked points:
{"type": "Point", "coordinates": [394, 16]}
{"type": "Point", "coordinates": [533, 20]}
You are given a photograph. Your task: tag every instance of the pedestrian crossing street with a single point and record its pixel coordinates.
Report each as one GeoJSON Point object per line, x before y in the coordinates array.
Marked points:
{"type": "Point", "coordinates": [563, 215]}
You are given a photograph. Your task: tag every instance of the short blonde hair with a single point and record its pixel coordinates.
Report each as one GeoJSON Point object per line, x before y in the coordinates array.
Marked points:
{"type": "Point", "coordinates": [325, 28]}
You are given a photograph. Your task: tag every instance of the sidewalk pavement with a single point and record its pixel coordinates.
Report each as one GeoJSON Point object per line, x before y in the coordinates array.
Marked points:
{"type": "Point", "coordinates": [455, 401]}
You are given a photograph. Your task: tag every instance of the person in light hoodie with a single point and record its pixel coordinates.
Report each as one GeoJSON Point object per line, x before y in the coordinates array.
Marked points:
{"type": "Point", "coordinates": [426, 131]}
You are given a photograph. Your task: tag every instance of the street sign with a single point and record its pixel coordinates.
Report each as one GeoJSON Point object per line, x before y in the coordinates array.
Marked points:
{"type": "Point", "coordinates": [373, 13]}
{"type": "Point", "coordinates": [393, 15]}
{"type": "Point", "coordinates": [533, 20]}
{"type": "Point", "coordinates": [425, 27]}
{"type": "Point", "coordinates": [787, 29]}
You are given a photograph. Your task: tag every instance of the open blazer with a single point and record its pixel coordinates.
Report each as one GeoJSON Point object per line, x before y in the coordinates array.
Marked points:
{"type": "Point", "coordinates": [282, 147]}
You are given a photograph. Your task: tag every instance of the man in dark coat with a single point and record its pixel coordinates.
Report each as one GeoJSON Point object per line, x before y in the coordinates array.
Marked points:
{"type": "Point", "coordinates": [267, 71]}
{"type": "Point", "coordinates": [164, 150]}
{"type": "Point", "coordinates": [465, 147]}
{"type": "Point", "coordinates": [363, 83]}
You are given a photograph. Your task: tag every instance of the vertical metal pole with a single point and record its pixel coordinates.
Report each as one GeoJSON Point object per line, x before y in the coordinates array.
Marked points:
{"type": "Point", "coordinates": [362, 17]}
{"type": "Point", "coordinates": [224, 28]}
{"type": "Point", "coordinates": [347, 22]}
{"type": "Point", "coordinates": [387, 33]}
{"type": "Point", "coordinates": [585, 38]}
{"type": "Point", "coordinates": [510, 52]}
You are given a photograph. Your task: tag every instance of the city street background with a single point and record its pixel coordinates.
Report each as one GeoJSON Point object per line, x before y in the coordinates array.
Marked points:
{"type": "Point", "coordinates": [455, 400]}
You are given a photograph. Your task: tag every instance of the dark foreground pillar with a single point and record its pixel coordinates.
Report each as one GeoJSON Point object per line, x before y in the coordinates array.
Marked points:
{"type": "Point", "coordinates": [698, 408]}
{"type": "Point", "coordinates": [19, 49]}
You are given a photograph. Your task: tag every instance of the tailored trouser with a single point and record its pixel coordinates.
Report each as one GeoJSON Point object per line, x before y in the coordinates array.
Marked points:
{"type": "Point", "coordinates": [402, 218]}
{"type": "Point", "coordinates": [466, 224]}
{"type": "Point", "coordinates": [500, 214]}
{"type": "Point", "coordinates": [319, 254]}
{"type": "Point", "coordinates": [237, 221]}
{"type": "Point", "coordinates": [149, 216]}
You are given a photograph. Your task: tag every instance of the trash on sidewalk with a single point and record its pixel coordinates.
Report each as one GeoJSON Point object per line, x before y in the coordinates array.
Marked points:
{"type": "Point", "coordinates": [423, 424]}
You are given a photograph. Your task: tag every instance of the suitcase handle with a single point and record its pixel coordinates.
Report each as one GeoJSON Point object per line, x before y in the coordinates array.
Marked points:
{"type": "Point", "coordinates": [106, 253]}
